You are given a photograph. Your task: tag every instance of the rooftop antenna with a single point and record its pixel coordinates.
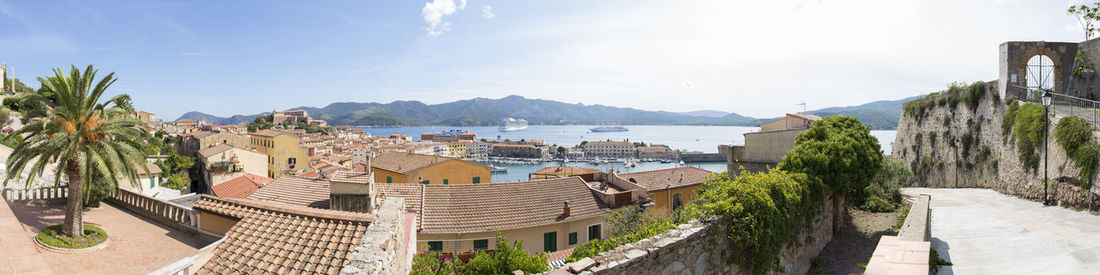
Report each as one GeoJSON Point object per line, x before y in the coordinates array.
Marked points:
{"type": "Point", "coordinates": [803, 104]}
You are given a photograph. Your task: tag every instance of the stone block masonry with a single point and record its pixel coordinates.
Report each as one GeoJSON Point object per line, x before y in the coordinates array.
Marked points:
{"type": "Point", "coordinates": [385, 247]}
{"type": "Point", "coordinates": [699, 248]}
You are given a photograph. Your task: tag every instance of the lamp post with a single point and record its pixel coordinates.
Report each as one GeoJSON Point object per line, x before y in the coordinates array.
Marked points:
{"type": "Point", "coordinates": [1047, 96]}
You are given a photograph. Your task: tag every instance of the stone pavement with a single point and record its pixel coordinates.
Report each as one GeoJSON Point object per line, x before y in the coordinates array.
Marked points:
{"type": "Point", "coordinates": [984, 232]}
{"type": "Point", "coordinates": [137, 245]}
{"type": "Point", "coordinates": [18, 254]}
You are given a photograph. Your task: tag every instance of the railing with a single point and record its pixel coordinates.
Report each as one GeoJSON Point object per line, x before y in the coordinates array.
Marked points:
{"type": "Point", "coordinates": [156, 209]}
{"type": "Point", "coordinates": [38, 193]}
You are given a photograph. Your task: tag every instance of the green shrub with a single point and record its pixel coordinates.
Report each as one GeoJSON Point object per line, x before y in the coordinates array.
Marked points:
{"type": "Point", "coordinates": [504, 259]}
{"type": "Point", "coordinates": [1029, 126]}
{"type": "Point", "coordinates": [974, 94]}
{"type": "Point", "coordinates": [1074, 135]}
{"type": "Point", "coordinates": [52, 236]}
{"type": "Point", "coordinates": [884, 192]}
{"type": "Point", "coordinates": [967, 140]}
{"type": "Point", "coordinates": [760, 213]}
{"type": "Point", "coordinates": [1010, 117]}
{"type": "Point", "coordinates": [649, 228]}
{"type": "Point", "coordinates": [838, 150]}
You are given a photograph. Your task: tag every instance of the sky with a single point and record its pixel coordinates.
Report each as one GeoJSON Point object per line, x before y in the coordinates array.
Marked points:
{"type": "Point", "coordinates": [755, 58]}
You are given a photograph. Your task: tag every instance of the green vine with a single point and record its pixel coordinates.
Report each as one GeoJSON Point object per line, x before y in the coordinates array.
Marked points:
{"type": "Point", "coordinates": [1029, 124]}
{"type": "Point", "coordinates": [1074, 135]}
{"type": "Point", "coordinates": [762, 212]}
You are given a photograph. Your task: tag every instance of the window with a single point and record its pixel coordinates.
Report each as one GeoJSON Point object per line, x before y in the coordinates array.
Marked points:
{"type": "Point", "coordinates": [550, 242]}
{"type": "Point", "coordinates": [435, 246]}
{"type": "Point", "coordinates": [481, 245]}
{"type": "Point", "coordinates": [445, 181]}
{"type": "Point", "coordinates": [595, 232]}
{"type": "Point", "coordinates": [290, 162]}
{"type": "Point", "coordinates": [573, 238]}
{"type": "Point", "coordinates": [676, 202]}
{"type": "Point", "coordinates": [426, 182]}
{"type": "Point", "coordinates": [152, 182]}
{"type": "Point", "coordinates": [477, 179]}
{"type": "Point", "coordinates": [389, 179]}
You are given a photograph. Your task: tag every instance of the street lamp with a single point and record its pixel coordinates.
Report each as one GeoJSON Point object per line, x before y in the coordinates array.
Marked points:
{"type": "Point", "coordinates": [1047, 96]}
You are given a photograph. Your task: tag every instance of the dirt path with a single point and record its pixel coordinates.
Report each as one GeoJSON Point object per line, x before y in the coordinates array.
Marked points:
{"type": "Point", "coordinates": [856, 241]}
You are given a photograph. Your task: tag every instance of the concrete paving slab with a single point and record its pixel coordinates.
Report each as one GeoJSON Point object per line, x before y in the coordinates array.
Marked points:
{"type": "Point", "coordinates": [984, 232]}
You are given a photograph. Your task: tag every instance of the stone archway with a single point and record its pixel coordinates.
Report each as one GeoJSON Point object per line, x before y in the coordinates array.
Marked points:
{"type": "Point", "coordinates": [1042, 50]}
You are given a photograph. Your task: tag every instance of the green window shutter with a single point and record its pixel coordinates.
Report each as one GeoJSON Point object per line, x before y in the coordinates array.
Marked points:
{"type": "Point", "coordinates": [676, 202]}
{"type": "Point", "coordinates": [435, 246]}
{"type": "Point", "coordinates": [481, 245]}
{"type": "Point", "coordinates": [477, 179]}
{"type": "Point", "coordinates": [550, 242]}
{"type": "Point", "coordinates": [445, 181]}
{"type": "Point", "coordinates": [573, 238]}
{"type": "Point", "coordinates": [426, 182]}
{"type": "Point", "coordinates": [389, 179]}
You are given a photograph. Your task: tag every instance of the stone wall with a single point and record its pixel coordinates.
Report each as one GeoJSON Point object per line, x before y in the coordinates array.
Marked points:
{"type": "Point", "coordinates": [936, 162]}
{"type": "Point", "coordinates": [699, 248]}
{"type": "Point", "coordinates": [385, 247]}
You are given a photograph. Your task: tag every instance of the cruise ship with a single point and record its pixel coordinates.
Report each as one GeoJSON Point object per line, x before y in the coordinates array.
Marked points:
{"type": "Point", "coordinates": [609, 129]}
{"type": "Point", "coordinates": [513, 124]}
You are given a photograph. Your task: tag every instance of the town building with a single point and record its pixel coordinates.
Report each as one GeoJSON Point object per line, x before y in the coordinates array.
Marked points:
{"type": "Point", "coordinates": [399, 167]}
{"type": "Point", "coordinates": [146, 117]}
{"type": "Point", "coordinates": [192, 143]}
{"type": "Point", "coordinates": [518, 150]}
{"type": "Point", "coordinates": [223, 162]}
{"type": "Point", "coordinates": [656, 151]}
{"type": "Point", "coordinates": [615, 149]}
{"type": "Point", "coordinates": [669, 189]}
{"type": "Point", "coordinates": [449, 136]}
{"type": "Point", "coordinates": [767, 147]}
{"type": "Point", "coordinates": [283, 151]}
{"type": "Point", "coordinates": [148, 183]}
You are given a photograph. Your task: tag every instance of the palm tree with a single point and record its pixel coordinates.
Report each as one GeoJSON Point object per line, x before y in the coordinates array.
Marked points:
{"type": "Point", "coordinates": [85, 138]}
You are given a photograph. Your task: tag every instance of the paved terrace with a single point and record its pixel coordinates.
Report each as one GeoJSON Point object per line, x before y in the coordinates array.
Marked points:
{"type": "Point", "coordinates": [137, 246]}
{"type": "Point", "coordinates": [984, 232]}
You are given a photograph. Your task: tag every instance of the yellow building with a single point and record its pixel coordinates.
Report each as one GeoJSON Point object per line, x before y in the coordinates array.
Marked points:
{"type": "Point", "coordinates": [547, 215]}
{"type": "Point", "coordinates": [284, 154]}
{"type": "Point", "coordinates": [669, 189]}
{"type": "Point", "coordinates": [399, 167]}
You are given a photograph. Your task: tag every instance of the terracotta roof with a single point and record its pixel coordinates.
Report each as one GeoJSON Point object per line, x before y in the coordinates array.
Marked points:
{"type": "Point", "coordinates": [564, 170]}
{"type": "Point", "coordinates": [412, 193]}
{"type": "Point", "coordinates": [559, 255]}
{"type": "Point", "coordinates": [295, 190]}
{"type": "Point", "coordinates": [214, 150]}
{"type": "Point", "coordinates": [258, 178]}
{"type": "Point", "coordinates": [485, 207]}
{"type": "Point", "coordinates": [193, 133]}
{"type": "Point", "coordinates": [153, 169]}
{"type": "Point", "coordinates": [239, 187]}
{"type": "Point", "coordinates": [308, 174]}
{"type": "Point", "coordinates": [664, 178]}
{"type": "Point", "coordinates": [351, 177]}
{"type": "Point", "coordinates": [806, 116]}
{"type": "Point", "coordinates": [275, 238]}
{"type": "Point", "coordinates": [404, 163]}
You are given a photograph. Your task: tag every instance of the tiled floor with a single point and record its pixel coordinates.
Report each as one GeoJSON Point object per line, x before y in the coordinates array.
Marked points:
{"type": "Point", "coordinates": [137, 245]}
{"type": "Point", "coordinates": [18, 254]}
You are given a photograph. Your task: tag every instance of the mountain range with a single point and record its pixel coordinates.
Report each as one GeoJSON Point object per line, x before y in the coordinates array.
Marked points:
{"type": "Point", "coordinates": [879, 115]}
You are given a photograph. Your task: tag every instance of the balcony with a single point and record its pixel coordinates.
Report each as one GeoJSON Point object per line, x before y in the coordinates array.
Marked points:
{"type": "Point", "coordinates": [145, 234]}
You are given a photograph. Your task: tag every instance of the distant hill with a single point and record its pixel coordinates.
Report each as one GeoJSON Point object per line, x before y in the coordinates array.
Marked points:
{"type": "Point", "coordinates": [707, 113]}
{"type": "Point", "coordinates": [489, 112]}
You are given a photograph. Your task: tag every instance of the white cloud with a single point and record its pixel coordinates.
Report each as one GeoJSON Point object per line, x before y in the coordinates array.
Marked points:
{"type": "Point", "coordinates": [435, 11]}
{"type": "Point", "coordinates": [487, 12]}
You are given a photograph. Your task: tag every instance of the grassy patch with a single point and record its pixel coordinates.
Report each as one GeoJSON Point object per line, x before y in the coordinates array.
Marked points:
{"type": "Point", "coordinates": [52, 236]}
{"type": "Point", "coordinates": [901, 220]}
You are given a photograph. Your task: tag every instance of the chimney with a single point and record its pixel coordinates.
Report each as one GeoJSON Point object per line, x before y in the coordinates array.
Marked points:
{"type": "Point", "coordinates": [565, 209]}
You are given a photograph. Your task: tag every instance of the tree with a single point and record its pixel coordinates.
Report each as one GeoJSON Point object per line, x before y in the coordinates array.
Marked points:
{"type": "Point", "coordinates": [85, 137]}
{"type": "Point", "coordinates": [1086, 16]}
{"type": "Point", "coordinates": [562, 150]}
{"type": "Point", "coordinates": [840, 151]}
{"type": "Point", "coordinates": [505, 259]}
